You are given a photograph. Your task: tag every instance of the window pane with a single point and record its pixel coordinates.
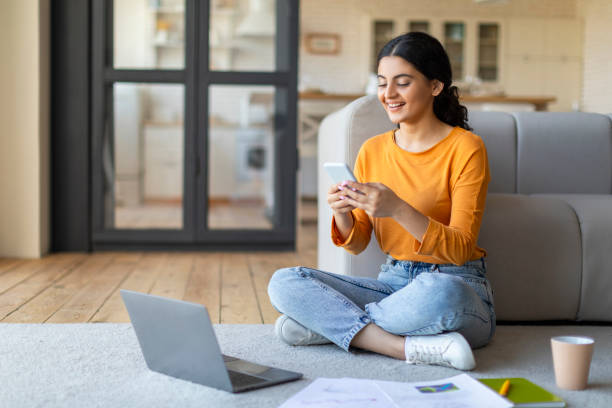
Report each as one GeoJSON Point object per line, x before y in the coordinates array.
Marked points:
{"type": "Point", "coordinates": [383, 33]}
{"type": "Point", "coordinates": [487, 51]}
{"type": "Point", "coordinates": [145, 169]}
{"type": "Point", "coordinates": [242, 35]}
{"type": "Point", "coordinates": [241, 157]}
{"type": "Point", "coordinates": [422, 26]}
{"type": "Point", "coordinates": [454, 36]}
{"type": "Point", "coordinates": [149, 34]}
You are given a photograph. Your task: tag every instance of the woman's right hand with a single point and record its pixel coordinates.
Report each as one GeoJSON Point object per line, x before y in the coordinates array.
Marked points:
{"type": "Point", "coordinates": [335, 199]}
{"type": "Point", "coordinates": [342, 209]}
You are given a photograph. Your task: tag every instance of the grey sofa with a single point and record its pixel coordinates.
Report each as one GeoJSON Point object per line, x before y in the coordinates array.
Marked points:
{"type": "Point", "coordinates": [547, 225]}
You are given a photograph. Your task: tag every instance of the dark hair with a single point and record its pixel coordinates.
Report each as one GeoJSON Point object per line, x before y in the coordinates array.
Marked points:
{"type": "Point", "coordinates": [429, 57]}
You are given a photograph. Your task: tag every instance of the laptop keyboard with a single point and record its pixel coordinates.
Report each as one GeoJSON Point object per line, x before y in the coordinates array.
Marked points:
{"type": "Point", "coordinates": [239, 379]}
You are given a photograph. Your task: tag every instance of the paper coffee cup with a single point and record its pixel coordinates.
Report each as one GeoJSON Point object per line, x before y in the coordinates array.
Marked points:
{"type": "Point", "coordinates": [572, 360]}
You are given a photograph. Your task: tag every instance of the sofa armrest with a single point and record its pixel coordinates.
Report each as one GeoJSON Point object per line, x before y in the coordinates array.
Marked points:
{"type": "Point", "coordinates": [341, 134]}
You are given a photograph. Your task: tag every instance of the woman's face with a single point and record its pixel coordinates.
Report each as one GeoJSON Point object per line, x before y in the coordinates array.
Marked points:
{"type": "Point", "coordinates": [405, 93]}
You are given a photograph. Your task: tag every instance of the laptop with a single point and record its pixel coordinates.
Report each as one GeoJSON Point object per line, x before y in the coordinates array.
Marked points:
{"type": "Point", "coordinates": [177, 339]}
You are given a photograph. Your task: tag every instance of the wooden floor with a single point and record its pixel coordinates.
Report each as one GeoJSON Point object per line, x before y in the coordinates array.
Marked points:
{"type": "Point", "coordinates": [77, 288]}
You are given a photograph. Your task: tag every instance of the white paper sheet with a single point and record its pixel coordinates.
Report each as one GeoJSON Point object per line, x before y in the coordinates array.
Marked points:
{"type": "Point", "coordinates": [459, 391]}
{"type": "Point", "coordinates": [340, 392]}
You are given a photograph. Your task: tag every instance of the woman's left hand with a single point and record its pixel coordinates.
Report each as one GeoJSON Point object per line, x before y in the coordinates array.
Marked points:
{"type": "Point", "coordinates": [376, 199]}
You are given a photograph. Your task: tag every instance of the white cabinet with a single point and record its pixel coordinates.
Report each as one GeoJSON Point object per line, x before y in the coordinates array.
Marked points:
{"type": "Point", "coordinates": [128, 139]}
{"type": "Point", "coordinates": [163, 162]}
{"type": "Point", "coordinates": [562, 38]}
{"type": "Point", "coordinates": [524, 75]}
{"type": "Point", "coordinates": [525, 37]}
{"type": "Point", "coordinates": [241, 163]}
{"type": "Point", "coordinates": [549, 38]}
{"type": "Point", "coordinates": [563, 78]}
{"type": "Point", "coordinates": [461, 37]}
{"type": "Point", "coordinates": [544, 58]}
{"type": "Point", "coordinates": [531, 56]}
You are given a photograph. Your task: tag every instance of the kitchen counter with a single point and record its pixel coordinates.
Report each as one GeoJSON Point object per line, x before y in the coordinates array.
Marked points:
{"type": "Point", "coordinates": [540, 103]}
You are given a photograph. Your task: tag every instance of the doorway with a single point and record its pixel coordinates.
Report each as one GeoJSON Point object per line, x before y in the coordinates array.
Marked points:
{"type": "Point", "coordinates": [193, 123]}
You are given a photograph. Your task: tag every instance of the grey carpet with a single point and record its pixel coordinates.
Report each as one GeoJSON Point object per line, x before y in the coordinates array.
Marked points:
{"type": "Point", "coordinates": [100, 365]}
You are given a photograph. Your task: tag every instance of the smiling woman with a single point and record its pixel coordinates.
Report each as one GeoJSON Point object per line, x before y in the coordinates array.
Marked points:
{"type": "Point", "coordinates": [419, 60]}
{"type": "Point", "coordinates": [422, 189]}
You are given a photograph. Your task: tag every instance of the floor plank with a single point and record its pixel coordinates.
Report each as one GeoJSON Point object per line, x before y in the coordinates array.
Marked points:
{"type": "Point", "coordinates": [146, 271]}
{"type": "Point", "coordinates": [7, 264]}
{"type": "Point", "coordinates": [90, 298]}
{"type": "Point", "coordinates": [263, 265]}
{"type": "Point", "coordinates": [238, 298]}
{"type": "Point", "coordinates": [172, 279]}
{"type": "Point", "coordinates": [43, 306]}
{"type": "Point", "coordinates": [65, 288]}
{"type": "Point", "coordinates": [204, 284]}
{"type": "Point", "coordinates": [306, 253]}
{"type": "Point", "coordinates": [23, 292]}
{"type": "Point", "coordinates": [23, 271]}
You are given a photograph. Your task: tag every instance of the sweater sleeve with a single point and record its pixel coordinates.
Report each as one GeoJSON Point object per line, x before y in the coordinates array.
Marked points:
{"type": "Point", "coordinates": [455, 243]}
{"type": "Point", "coordinates": [360, 234]}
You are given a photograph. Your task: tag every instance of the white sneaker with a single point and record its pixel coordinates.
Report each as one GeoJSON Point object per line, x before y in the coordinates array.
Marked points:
{"type": "Point", "coordinates": [448, 349]}
{"type": "Point", "coordinates": [294, 334]}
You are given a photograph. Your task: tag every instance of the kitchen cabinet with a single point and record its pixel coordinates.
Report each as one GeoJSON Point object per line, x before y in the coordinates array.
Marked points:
{"type": "Point", "coordinates": [474, 46]}
{"type": "Point", "coordinates": [163, 162]}
{"type": "Point", "coordinates": [545, 58]}
{"type": "Point", "coordinates": [169, 34]}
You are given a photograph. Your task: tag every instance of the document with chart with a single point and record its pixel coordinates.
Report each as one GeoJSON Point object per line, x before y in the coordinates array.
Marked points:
{"type": "Point", "coordinates": [459, 391]}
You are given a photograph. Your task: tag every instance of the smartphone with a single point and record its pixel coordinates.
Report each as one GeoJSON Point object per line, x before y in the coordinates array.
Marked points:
{"type": "Point", "coordinates": [339, 172]}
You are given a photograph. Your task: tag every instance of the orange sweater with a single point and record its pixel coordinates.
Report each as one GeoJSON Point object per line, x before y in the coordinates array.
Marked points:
{"type": "Point", "coordinates": [447, 183]}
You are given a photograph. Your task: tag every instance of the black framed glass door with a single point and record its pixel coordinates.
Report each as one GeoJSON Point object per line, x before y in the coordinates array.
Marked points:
{"type": "Point", "coordinates": [194, 123]}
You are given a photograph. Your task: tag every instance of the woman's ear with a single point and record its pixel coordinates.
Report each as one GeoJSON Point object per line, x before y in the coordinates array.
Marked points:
{"type": "Point", "coordinates": [437, 87]}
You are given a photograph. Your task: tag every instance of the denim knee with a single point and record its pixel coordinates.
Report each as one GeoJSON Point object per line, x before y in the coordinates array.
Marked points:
{"type": "Point", "coordinates": [455, 295]}
{"type": "Point", "coordinates": [430, 304]}
{"type": "Point", "coordinates": [279, 287]}
{"type": "Point", "coordinates": [454, 290]}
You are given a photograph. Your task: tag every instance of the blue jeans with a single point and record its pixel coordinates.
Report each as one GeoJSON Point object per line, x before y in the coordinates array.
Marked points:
{"type": "Point", "coordinates": [408, 298]}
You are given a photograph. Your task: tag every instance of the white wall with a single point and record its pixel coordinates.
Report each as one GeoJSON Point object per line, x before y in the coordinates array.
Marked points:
{"type": "Point", "coordinates": [133, 23]}
{"type": "Point", "coordinates": [555, 27]}
{"type": "Point", "coordinates": [24, 135]}
{"type": "Point", "coordinates": [597, 83]}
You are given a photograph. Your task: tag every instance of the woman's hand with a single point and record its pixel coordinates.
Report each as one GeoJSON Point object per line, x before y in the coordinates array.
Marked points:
{"type": "Point", "coordinates": [336, 199]}
{"type": "Point", "coordinates": [376, 199]}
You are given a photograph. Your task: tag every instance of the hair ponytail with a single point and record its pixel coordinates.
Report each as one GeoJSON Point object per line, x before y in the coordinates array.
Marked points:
{"type": "Point", "coordinates": [447, 108]}
{"type": "Point", "coordinates": [429, 57]}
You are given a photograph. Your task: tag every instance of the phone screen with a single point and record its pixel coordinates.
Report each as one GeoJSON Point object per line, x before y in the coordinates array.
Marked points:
{"type": "Point", "coordinates": [339, 172]}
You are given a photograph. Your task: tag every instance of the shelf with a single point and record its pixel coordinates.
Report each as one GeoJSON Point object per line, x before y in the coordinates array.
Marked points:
{"type": "Point", "coordinates": [168, 10]}
{"type": "Point", "coordinates": [227, 12]}
{"type": "Point", "coordinates": [170, 45]}
{"type": "Point", "coordinates": [158, 123]}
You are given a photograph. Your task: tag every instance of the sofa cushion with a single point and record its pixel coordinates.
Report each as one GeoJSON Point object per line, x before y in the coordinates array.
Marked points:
{"type": "Point", "coordinates": [498, 131]}
{"type": "Point", "coordinates": [533, 256]}
{"type": "Point", "coordinates": [564, 153]}
{"type": "Point", "coordinates": [594, 213]}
